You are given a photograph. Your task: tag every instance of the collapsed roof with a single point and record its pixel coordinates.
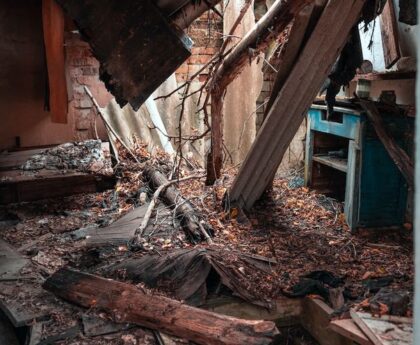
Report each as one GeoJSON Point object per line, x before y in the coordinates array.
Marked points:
{"type": "Point", "coordinates": [138, 43]}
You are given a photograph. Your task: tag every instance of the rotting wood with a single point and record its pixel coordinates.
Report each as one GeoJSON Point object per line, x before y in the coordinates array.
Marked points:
{"type": "Point", "coordinates": [48, 184]}
{"type": "Point", "coordinates": [389, 31]}
{"type": "Point", "coordinates": [156, 194]}
{"type": "Point", "coordinates": [53, 27]}
{"type": "Point", "coordinates": [401, 159]}
{"type": "Point", "coordinates": [315, 319]}
{"type": "Point", "coordinates": [191, 220]}
{"type": "Point", "coordinates": [129, 304]}
{"type": "Point", "coordinates": [280, 14]}
{"type": "Point", "coordinates": [293, 101]}
{"type": "Point", "coordinates": [117, 233]}
{"type": "Point", "coordinates": [349, 329]}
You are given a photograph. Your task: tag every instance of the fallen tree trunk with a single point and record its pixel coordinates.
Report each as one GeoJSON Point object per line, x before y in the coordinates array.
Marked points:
{"type": "Point", "coordinates": [129, 304]}
{"type": "Point", "coordinates": [191, 220]}
{"type": "Point", "coordinates": [265, 30]}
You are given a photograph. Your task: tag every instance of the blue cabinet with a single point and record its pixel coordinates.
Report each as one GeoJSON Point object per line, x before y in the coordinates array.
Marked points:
{"type": "Point", "coordinates": [345, 159]}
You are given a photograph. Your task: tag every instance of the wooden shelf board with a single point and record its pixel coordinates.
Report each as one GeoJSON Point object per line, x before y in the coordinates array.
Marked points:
{"type": "Point", "coordinates": [332, 162]}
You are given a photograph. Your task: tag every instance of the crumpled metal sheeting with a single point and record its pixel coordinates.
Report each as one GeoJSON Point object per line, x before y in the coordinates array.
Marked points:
{"type": "Point", "coordinates": [194, 274]}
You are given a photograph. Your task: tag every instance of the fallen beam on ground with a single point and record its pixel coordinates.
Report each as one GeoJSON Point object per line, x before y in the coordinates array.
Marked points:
{"type": "Point", "coordinates": [129, 304]}
{"type": "Point", "coordinates": [294, 99]}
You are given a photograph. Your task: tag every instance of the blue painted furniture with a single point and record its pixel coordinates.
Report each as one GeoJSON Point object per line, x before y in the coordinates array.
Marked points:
{"type": "Point", "coordinates": [375, 192]}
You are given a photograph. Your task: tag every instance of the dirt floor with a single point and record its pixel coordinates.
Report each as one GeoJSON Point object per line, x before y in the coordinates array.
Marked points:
{"type": "Point", "coordinates": [302, 230]}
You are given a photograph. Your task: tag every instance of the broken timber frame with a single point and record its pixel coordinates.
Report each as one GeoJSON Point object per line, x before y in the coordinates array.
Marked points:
{"type": "Point", "coordinates": [294, 99]}
{"type": "Point", "coordinates": [129, 304]}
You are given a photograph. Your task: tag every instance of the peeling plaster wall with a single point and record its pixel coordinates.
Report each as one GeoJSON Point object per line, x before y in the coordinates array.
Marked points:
{"type": "Point", "coordinates": [242, 93]}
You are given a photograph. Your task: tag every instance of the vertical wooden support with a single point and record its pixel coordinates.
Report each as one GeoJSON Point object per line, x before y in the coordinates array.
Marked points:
{"type": "Point", "coordinates": [389, 31]}
{"type": "Point", "coordinates": [53, 25]}
{"type": "Point", "coordinates": [309, 152]}
{"type": "Point", "coordinates": [215, 157]}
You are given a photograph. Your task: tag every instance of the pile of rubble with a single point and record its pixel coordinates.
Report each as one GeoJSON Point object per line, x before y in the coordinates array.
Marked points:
{"type": "Point", "coordinates": [294, 244]}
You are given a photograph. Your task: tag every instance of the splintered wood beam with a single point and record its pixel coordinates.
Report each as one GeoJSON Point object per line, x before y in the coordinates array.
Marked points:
{"type": "Point", "coordinates": [401, 159]}
{"type": "Point", "coordinates": [279, 15]}
{"type": "Point", "coordinates": [130, 304]}
{"type": "Point", "coordinates": [389, 32]}
{"type": "Point", "coordinates": [294, 100]}
{"type": "Point", "coordinates": [53, 26]}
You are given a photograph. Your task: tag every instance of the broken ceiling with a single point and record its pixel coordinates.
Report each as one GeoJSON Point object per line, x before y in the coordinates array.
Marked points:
{"type": "Point", "coordinates": [138, 44]}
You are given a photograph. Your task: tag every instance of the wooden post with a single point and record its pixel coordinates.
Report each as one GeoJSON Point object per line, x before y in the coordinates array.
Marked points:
{"type": "Point", "coordinates": [53, 25]}
{"type": "Point", "coordinates": [129, 304]}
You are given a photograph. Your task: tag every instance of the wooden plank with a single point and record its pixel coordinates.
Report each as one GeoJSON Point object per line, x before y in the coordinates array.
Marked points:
{"type": "Point", "coordinates": [35, 333]}
{"type": "Point", "coordinates": [286, 311]}
{"type": "Point", "coordinates": [130, 304]}
{"type": "Point", "coordinates": [333, 162]}
{"type": "Point", "coordinates": [389, 31]}
{"type": "Point", "coordinates": [294, 100]}
{"type": "Point", "coordinates": [53, 25]}
{"type": "Point", "coordinates": [18, 187]}
{"type": "Point", "coordinates": [118, 233]}
{"type": "Point", "coordinates": [349, 329]}
{"type": "Point", "coordinates": [391, 75]}
{"type": "Point", "coordinates": [18, 314]}
{"type": "Point", "coordinates": [315, 319]}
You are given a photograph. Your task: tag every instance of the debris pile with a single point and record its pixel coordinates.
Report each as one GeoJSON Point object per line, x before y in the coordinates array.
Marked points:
{"type": "Point", "coordinates": [294, 244]}
{"type": "Point", "coordinates": [86, 156]}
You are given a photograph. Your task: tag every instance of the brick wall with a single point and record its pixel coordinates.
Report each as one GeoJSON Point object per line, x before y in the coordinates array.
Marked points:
{"type": "Point", "coordinates": [83, 69]}
{"type": "Point", "coordinates": [206, 32]}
